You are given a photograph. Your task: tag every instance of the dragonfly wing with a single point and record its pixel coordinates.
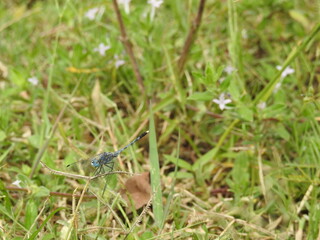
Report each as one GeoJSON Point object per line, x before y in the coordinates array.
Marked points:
{"type": "Point", "coordinates": [82, 167]}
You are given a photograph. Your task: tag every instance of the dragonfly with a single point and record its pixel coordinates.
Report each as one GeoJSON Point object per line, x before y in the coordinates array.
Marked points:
{"type": "Point", "coordinates": [104, 162]}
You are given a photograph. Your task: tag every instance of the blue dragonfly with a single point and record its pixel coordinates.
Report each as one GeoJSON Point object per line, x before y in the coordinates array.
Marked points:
{"type": "Point", "coordinates": [104, 162]}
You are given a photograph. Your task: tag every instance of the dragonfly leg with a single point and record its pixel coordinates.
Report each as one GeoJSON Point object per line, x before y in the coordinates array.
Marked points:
{"type": "Point", "coordinates": [110, 166]}
{"type": "Point", "coordinates": [98, 171]}
{"type": "Point", "coordinates": [105, 185]}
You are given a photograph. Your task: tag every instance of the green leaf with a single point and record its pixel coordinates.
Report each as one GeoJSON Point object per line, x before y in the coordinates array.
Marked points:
{"type": "Point", "coordinates": [299, 17]}
{"type": "Point", "coordinates": [31, 213]}
{"type": "Point", "coordinates": [234, 89]}
{"type": "Point", "coordinates": [212, 74]}
{"type": "Point", "coordinates": [209, 156]}
{"type": "Point", "coordinates": [225, 84]}
{"type": "Point", "coordinates": [198, 76]}
{"type": "Point", "coordinates": [283, 133]}
{"type": "Point", "coordinates": [201, 96]}
{"type": "Point", "coordinates": [245, 113]}
{"type": "Point", "coordinates": [240, 175]}
{"type": "Point", "coordinates": [179, 162]}
{"type": "Point", "coordinates": [209, 74]}
{"type": "Point", "coordinates": [274, 110]}
{"type": "Point", "coordinates": [34, 140]}
{"type": "Point", "coordinates": [41, 192]}
{"type": "Point", "coordinates": [18, 77]}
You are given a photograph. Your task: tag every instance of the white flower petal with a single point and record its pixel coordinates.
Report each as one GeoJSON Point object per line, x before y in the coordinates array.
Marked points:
{"type": "Point", "coordinates": [227, 101]}
{"type": "Point", "coordinates": [222, 101]}
{"type": "Point", "coordinates": [229, 69]}
{"type": "Point", "coordinates": [287, 71]}
{"type": "Point", "coordinates": [33, 80]}
{"type": "Point", "coordinates": [91, 13]}
{"type": "Point", "coordinates": [102, 49]}
{"type": "Point", "coordinates": [119, 63]}
{"type": "Point", "coordinates": [155, 3]}
{"type": "Point", "coordinates": [17, 183]}
{"type": "Point", "coordinates": [277, 87]}
{"type": "Point", "coordinates": [262, 105]}
{"type": "Point", "coordinates": [221, 106]}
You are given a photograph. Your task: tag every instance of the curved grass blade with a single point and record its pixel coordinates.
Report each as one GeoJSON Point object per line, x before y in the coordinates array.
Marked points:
{"type": "Point", "coordinates": [155, 174]}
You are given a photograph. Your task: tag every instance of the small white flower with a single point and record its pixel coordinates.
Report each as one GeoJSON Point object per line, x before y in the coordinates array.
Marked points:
{"type": "Point", "coordinates": [91, 13]}
{"type": "Point", "coordinates": [154, 4]}
{"type": "Point", "coordinates": [102, 49]}
{"type": "Point", "coordinates": [262, 105]}
{"type": "Point", "coordinates": [222, 101]}
{"type": "Point", "coordinates": [33, 80]}
{"type": "Point", "coordinates": [126, 5]}
{"type": "Point", "coordinates": [286, 71]}
{"type": "Point", "coordinates": [119, 62]}
{"type": "Point", "coordinates": [17, 183]}
{"type": "Point", "coordinates": [229, 69]}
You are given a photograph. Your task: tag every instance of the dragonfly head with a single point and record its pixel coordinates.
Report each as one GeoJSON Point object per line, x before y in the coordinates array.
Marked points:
{"type": "Point", "coordinates": [95, 163]}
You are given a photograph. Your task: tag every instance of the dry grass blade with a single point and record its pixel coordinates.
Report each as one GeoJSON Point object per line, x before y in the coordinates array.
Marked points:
{"type": "Point", "coordinates": [75, 211]}
{"type": "Point", "coordinates": [261, 176]}
{"type": "Point", "coordinates": [191, 36]}
{"type": "Point", "coordinates": [145, 210]}
{"type": "Point", "coordinates": [244, 223]}
{"type": "Point", "coordinates": [227, 228]}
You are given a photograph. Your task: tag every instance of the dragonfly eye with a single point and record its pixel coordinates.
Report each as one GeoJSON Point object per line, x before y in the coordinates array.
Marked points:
{"type": "Point", "coordinates": [94, 163]}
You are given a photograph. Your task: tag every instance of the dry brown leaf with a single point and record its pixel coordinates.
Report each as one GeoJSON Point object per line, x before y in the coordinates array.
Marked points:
{"type": "Point", "coordinates": [138, 189]}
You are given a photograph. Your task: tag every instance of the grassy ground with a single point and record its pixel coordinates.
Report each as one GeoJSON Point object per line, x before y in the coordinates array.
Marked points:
{"type": "Point", "coordinates": [246, 171]}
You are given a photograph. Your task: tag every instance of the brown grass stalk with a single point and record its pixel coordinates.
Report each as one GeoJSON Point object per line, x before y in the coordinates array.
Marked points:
{"type": "Point", "coordinates": [191, 37]}
{"type": "Point", "coordinates": [128, 46]}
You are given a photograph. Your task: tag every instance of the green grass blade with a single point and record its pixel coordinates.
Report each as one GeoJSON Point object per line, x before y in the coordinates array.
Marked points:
{"type": "Point", "coordinates": [170, 197]}
{"type": "Point", "coordinates": [155, 173]}
{"type": "Point", "coordinates": [267, 91]}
